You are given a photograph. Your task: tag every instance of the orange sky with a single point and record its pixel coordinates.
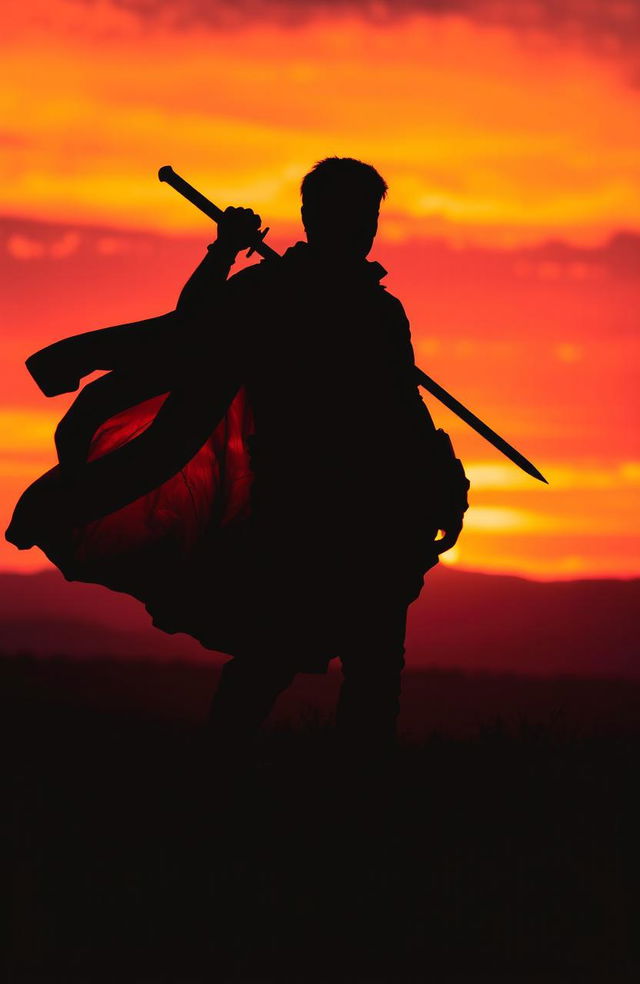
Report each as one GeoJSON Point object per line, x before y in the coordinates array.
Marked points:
{"type": "Point", "coordinates": [493, 135]}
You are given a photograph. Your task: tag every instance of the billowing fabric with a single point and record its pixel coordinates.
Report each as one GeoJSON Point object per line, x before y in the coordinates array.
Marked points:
{"type": "Point", "coordinates": [309, 501]}
{"type": "Point", "coordinates": [169, 547]}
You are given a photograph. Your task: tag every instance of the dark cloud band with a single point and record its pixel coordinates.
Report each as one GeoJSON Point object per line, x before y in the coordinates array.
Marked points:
{"type": "Point", "coordinates": [610, 22]}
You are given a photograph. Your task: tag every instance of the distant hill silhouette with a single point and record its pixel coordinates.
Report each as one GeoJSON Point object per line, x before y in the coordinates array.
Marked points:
{"type": "Point", "coordinates": [480, 621]}
{"type": "Point", "coordinates": [462, 620]}
{"type": "Point", "coordinates": [44, 614]}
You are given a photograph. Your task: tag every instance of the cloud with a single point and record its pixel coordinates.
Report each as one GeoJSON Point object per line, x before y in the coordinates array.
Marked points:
{"type": "Point", "coordinates": [611, 25]}
{"type": "Point", "coordinates": [25, 247]}
{"type": "Point", "coordinates": [480, 133]}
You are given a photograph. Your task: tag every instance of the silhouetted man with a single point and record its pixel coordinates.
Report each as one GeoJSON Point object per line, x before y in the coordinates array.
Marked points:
{"type": "Point", "coordinates": [343, 516]}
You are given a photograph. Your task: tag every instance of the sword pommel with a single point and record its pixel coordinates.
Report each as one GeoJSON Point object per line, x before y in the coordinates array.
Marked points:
{"type": "Point", "coordinates": [166, 173]}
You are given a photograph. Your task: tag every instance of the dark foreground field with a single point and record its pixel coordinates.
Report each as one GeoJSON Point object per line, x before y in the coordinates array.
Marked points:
{"type": "Point", "coordinates": [507, 853]}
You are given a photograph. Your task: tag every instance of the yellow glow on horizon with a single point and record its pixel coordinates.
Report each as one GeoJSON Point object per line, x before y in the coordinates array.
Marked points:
{"type": "Point", "coordinates": [499, 476]}
{"type": "Point", "coordinates": [451, 557]}
{"type": "Point", "coordinates": [507, 519]}
{"type": "Point", "coordinates": [26, 431]}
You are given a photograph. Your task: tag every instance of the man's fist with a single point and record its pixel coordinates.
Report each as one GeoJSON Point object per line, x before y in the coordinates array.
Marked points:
{"type": "Point", "coordinates": [448, 487]}
{"type": "Point", "coordinates": [451, 531]}
{"type": "Point", "coordinates": [237, 228]}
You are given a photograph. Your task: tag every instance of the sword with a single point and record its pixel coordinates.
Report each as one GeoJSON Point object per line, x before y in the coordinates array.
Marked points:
{"type": "Point", "coordinates": [478, 425]}
{"type": "Point", "coordinates": [168, 175]}
{"type": "Point", "coordinates": [193, 195]}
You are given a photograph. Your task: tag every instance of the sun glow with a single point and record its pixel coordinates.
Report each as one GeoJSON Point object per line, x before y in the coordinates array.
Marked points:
{"type": "Point", "coordinates": [509, 232]}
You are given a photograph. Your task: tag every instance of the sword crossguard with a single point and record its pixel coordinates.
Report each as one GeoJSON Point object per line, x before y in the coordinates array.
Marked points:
{"type": "Point", "coordinates": [260, 234]}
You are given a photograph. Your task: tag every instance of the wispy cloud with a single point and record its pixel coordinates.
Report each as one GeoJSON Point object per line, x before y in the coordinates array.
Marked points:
{"type": "Point", "coordinates": [22, 247]}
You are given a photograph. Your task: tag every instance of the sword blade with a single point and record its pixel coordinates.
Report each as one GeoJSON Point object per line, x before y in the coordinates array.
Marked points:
{"type": "Point", "coordinates": [478, 425]}
{"type": "Point", "coordinates": [192, 195]}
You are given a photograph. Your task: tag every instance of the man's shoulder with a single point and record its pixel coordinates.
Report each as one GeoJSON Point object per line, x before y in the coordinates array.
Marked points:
{"type": "Point", "coordinates": [392, 302]}
{"type": "Point", "coordinates": [393, 308]}
{"type": "Point", "coordinates": [259, 277]}
{"type": "Point", "coordinates": [252, 276]}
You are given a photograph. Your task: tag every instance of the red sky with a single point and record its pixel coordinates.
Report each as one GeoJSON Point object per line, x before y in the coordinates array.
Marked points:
{"type": "Point", "coordinates": [498, 126]}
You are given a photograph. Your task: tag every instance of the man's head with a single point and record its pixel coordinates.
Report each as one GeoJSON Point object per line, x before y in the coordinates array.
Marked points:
{"type": "Point", "coordinates": [340, 205]}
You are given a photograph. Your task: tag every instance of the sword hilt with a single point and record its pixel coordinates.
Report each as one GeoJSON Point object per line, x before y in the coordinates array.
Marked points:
{"type": "Point", "coordinates": [170, 177]}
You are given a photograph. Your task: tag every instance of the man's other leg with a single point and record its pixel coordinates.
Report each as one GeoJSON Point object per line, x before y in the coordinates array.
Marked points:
{"type": "Point", "coordinates": [369, 701]}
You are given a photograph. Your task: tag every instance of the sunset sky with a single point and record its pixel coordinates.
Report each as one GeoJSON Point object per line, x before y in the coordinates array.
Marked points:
{"type": "Point", "coordinates": [509, 134]}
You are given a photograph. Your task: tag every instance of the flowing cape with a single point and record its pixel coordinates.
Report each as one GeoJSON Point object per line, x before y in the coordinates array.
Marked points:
{"type": "Point", "coordinates": [178, 548]}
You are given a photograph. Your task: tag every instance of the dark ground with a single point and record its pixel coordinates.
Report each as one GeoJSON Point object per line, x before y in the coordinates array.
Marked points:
{"type": "Point", "coordinates": [502, 851]}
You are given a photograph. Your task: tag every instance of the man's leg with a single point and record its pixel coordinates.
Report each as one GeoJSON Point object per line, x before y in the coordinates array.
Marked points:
{"type": "Point", "coordinates": [246, 693]}
{"type": "Point", "coordinates": [369, 700]}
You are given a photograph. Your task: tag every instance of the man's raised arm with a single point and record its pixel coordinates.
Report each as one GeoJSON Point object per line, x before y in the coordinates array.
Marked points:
{"type": "Point", "coordinates": [236, 230]}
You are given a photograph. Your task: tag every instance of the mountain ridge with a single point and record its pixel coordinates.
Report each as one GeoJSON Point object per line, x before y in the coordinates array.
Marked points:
{"type": "Point", "coordinates": [462, 620]}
